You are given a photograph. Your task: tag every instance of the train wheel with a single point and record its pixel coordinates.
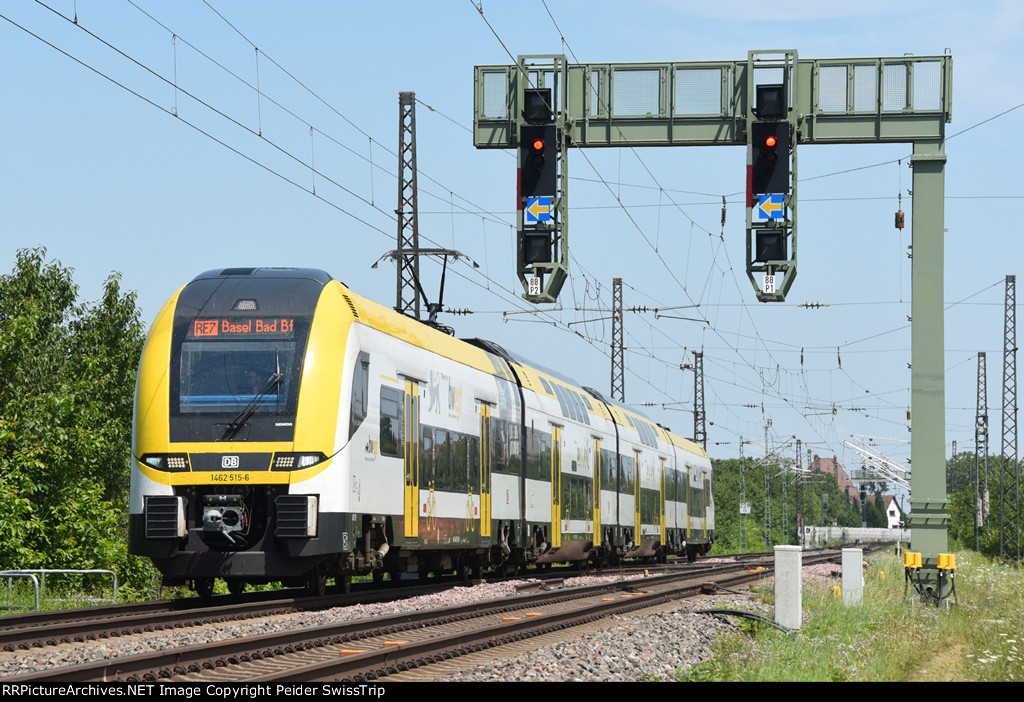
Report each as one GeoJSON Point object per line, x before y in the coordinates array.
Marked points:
{"type": "Point", "coordinates": [236, 587]}
{"type": "Point", "coordinates": [204, 587]}
{"type": "Point", "coordinates": [316, 583]}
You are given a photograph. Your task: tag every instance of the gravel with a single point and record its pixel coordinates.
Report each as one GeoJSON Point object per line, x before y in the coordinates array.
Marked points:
{"type": "Point", "coordinates": [629, 648]}
{"type": "Point", "coordinates": [651, 647]}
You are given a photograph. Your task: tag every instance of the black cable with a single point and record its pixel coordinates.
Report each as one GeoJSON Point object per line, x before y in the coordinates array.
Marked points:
{"type": "Point", "coordinates": [747, 615]}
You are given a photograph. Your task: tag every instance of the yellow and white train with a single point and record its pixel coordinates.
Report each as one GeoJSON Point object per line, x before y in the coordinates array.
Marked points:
{"type": "Point", "coordinates": [287, 429]}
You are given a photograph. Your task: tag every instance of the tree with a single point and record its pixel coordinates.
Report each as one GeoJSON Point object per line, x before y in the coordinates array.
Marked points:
{"type": "Point", "coordinates": [67, 377]}
{"type": "Point", "coordinates": [962, 472]}
{"type": "Point", "coordinates": [805, 496]}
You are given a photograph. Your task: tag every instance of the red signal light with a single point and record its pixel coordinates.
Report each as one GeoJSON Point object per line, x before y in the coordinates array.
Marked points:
{"type": "Point", "coordinates": [538, 144]}
{"type": "Point", "coordinates": [770, 141]}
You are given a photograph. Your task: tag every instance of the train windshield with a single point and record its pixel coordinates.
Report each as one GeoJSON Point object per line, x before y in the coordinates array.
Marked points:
{"type": "Point", "coordinates": [236, 376]}
{"type": "Point", "coordinates": [238, 348]}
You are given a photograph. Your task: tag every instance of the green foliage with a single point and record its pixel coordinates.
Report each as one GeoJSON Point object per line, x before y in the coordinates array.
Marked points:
{"type": "Point", "coordinates": [962, 472]}
{"type": "Point", "coordinates": [961, 518]}
{"type": "Point", "coordinates": [874, 507]}
{"type": "Point", "coordinates": [803, 499]}
{"type": "Point", "coordinates": [67, 377]}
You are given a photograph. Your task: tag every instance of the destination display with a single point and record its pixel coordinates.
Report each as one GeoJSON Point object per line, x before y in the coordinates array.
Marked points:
{"type": "Point", "coordinates": [235, 327]}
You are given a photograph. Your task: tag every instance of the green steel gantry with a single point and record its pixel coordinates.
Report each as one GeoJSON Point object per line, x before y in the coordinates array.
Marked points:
{"type": "Point", "coordinates": [865, 100]}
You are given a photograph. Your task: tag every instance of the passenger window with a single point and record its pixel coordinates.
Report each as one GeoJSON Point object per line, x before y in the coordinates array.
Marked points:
{"type": "Point", "coordinates": [360, 392]}
{"type": "Point", "coordinates": [391, 431]}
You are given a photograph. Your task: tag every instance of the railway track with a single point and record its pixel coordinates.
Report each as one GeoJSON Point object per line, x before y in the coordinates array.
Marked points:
{"type": "Point", "coordinates": [372, 649]}
{"type": "Point", "coordinates": [23, 632]}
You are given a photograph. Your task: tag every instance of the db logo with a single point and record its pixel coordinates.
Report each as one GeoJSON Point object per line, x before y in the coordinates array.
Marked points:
{"type": "Point", "coordinates": [229, 461]}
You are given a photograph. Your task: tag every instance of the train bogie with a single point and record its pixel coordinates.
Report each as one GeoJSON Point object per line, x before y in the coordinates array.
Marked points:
{"type": "Point", "coordinates": [288, 430]}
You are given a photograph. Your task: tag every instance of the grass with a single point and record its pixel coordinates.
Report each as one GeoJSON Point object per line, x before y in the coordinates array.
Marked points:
{"type": "Point", "coordinates": [19, 597]}
{"type": "Point", "coordinates": [889, 636]}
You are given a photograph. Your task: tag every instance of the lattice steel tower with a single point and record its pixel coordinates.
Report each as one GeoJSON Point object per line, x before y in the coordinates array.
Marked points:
{"type": "Point", "coordinates": [407, 300]}
{"type": "Point", "coordinates": [798, 486]}
{"type": "Point", "coordinates": [767, 492]}
{"type": "Point", "coordinates": [981, 449]}
{"type": "Point", "coordinates": [1009, 483]}
{"type": "Point", "coordinates": [744, 507]}
{"type": "Point", "coordinates": [618, 347]}
{"type": "Point", "coordinates": [700, 433]}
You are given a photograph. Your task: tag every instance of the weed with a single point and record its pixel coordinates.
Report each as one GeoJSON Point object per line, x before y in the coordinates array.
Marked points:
{"type": "Point", "coordinates": [889, 636]}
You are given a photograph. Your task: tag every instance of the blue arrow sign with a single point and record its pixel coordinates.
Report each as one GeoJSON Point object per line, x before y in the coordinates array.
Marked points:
{"type": "Point", "coordinates": [538, 209]}
{"type": "Point", "coordinates": [771, 206]}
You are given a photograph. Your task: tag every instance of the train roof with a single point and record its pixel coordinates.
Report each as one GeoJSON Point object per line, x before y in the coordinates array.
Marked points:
{"type": "Point", "coordinates": [267, 272]}
{"type": "Point", "coordinates": [627, 414]}
{"type": "Point", "coordinates": [523, 361]}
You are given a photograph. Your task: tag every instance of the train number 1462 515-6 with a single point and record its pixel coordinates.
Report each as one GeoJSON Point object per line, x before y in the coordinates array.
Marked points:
{"type": "Point", "coordinates": [229, 477]}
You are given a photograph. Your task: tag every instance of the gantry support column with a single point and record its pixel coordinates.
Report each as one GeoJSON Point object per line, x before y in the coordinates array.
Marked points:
{"type": "Point", "coordinates": [929, 517]}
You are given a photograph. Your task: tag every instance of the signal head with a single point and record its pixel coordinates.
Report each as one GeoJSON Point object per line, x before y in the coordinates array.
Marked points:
{"type": "Point", "coordinates": [538, 160]}
{"type": "Point", "coordinates": [770, 157]}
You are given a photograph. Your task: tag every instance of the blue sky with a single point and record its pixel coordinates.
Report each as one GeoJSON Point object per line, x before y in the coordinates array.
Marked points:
{"type": "Point", "coordinates": [99, 170]}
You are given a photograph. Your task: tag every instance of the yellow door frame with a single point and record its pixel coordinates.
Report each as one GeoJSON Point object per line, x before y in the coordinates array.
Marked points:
{"type": "Point", "coordinates": [556, 486]}
{"type": "Point", "coordinates": [636, 496]}
{"type": "Point", "coordinates": [485, 470]}
{"type": "Point", "coordinates": [689, 506]}
{"type": "Point", "coordinates": [662, 480]}
{"type": "Point", "coordinates": [411, 441]}
{"type": "Point", "coordinates": [596, 463]}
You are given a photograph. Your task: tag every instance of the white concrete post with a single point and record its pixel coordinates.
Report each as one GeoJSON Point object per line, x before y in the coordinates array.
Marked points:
{"type": "Point", "coordinates": [853, 576]}
{"type": "Point", "coordinates": [788, 586]}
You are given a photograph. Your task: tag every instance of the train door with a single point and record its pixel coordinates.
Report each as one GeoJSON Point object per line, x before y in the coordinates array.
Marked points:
{"type": "Point", "coordinates": [596, 466]}
{"type": "Point", "coordinates": [704, 492]}
{"type": "Point", "coordinates": [556, 486]}
{"type": "Point", "coordinates": [696, 502]}
{"type": "Point", "coordinates": [662, 489]}
{"type": "Point", "coordinates": [412, 458]}
{"type": "Point", "coordinates": [689, 502]}
{"type": "Point", "coordinates": [485, 470]}
{"type": "Point", "coordinates": [636, 497]}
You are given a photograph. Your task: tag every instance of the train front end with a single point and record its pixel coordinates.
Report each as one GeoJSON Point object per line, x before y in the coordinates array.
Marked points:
{"type": "Point", "coordinates": [236, 412]}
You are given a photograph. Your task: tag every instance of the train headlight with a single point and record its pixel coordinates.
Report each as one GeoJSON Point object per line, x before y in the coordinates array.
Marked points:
{"type": "Point", "coordinates": [297, 461]}
{"type": "Point", "coordinates": [170, 462]}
